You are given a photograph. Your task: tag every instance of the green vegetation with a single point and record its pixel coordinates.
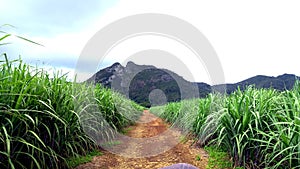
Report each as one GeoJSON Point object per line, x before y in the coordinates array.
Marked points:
{"type": "Point", "coordinates": [75, 161]}
{"type": "Point", "coordinates": [126, 130]}
{"type": "Point", "coordinates": [46, 120]}
{"type": "Point", "coordinates": [183, 139]}
{"type": "Point", "coordinates": [217, 158]}
{"type": "Point", "coordinates": [147, 80]}
{"type": "Point", "coordinates": [49, 122]}
{"type": "Point", "coordinates": [198, 158]}
{"type": "Point", "coordinates": [259, 128]}
{"type": "Point", "coordinates": [150, 77]}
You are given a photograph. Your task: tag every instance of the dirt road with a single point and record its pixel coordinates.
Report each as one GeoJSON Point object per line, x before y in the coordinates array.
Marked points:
{"type": "Point", "coordinates": [153, 136]}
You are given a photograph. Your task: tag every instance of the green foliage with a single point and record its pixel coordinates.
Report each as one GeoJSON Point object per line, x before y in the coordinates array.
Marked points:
{"type": "Point", "coordinates": [217, 158]}
{"type": "Point", "coordinates": [198, 158]}
{"type": "Point", "coordinates": [5, 35]}
{"type": "Point", "coordinates": [281, 137]}
{"type": "Point", "coordinates": [246, 114]}
{"type": "Point", "coordinates": [126, 130]}
{"type": "Point", "coordinates": [41, 117]}
{"type": "Point", "coordinates": [152, 79]}
{"type": "Point", "coordinates": [76, 161]}
{"type": "Point", "coordinates": [260, 128]}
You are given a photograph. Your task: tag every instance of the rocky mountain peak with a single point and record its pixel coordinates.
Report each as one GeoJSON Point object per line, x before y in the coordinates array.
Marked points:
{"type": "Point", "coordinates": [137, 81]}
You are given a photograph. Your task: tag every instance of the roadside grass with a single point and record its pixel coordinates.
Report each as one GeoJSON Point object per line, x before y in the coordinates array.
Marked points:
{"type": "Point", "coordinates": [47, 119]}
{"type": "Point", "coordinates": [218, 158]}
{"type": "Point", "coordinates": [258, 128]}
{"type": "Point", "coordinates": [183, 139]}
{"type": "Point", "coordinates": [126, 130]}
{"type": "Point", "coordinates": [78, 160]}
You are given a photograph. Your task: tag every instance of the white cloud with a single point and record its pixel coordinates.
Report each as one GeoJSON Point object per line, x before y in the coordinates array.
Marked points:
{"type": "Point", "coordinates": [250, 37]}
{"type": "Point", "coordinates": [128, 49]}
{"type": "Point", "coordinates": [257, 37]}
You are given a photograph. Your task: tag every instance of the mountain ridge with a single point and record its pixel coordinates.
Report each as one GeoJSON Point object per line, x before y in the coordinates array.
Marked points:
{"type": "Point", "coordinates": [138, 81]}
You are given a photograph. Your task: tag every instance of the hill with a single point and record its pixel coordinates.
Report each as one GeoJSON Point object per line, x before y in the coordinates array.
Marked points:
{"type": "Point", "coordinates": [138, 81]}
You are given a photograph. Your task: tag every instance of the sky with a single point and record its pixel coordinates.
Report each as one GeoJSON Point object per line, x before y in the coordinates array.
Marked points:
{"type": "Point", "coordinates": [250, 37]}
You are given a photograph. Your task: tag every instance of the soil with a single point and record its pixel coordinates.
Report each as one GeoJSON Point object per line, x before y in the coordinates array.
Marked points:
{"type": "Point", "coordinates": [150, 143]}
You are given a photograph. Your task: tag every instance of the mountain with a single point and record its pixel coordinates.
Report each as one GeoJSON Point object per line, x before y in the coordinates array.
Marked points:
{"type": "Point", "coordinates": [282, 82]}
{"type": "Point", "coordinates": [138, 82]}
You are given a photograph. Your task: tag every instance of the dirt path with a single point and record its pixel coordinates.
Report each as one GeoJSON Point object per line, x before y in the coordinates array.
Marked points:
{"type": "Point", "coordinates": [154, 144]}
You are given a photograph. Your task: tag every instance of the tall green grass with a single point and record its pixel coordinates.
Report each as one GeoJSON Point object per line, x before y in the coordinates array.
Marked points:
{"type": "Point", "coordinates": [247, 113]}
{"type": "Point", "coordinates": [41, 116]}
{"type": "Point", "coordinates": [258, 127]}
{"type": "Point", "coordinates": [281, 143]}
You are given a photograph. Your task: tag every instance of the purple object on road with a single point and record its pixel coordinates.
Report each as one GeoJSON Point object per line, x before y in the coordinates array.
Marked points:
{"type": "Point", "coordinates": [180, 166]}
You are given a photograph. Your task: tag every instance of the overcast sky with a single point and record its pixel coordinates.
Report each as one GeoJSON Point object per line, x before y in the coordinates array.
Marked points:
{"type": "Point", "coordinates": [258, 37]}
